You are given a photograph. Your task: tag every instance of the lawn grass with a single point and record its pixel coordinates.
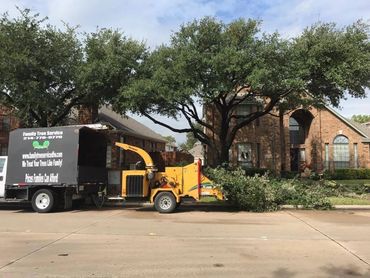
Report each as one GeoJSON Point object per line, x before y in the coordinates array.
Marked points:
{"type": "Point", "coordinates": [348, 201]}
{"type": "Point", "coordinates": [350, 182]}
{"type": "Point", "coordinates": [210, 199]}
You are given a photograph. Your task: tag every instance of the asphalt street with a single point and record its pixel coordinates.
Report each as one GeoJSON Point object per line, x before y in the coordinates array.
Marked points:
{"type": "Point", "coordinates": [194, 242]}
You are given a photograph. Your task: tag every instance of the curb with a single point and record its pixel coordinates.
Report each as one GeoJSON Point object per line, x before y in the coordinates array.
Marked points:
{"type": "Point", "coordinates": [228, 206]}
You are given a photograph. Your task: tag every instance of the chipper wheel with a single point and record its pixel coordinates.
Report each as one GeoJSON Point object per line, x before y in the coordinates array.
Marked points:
{"type": "Point", "coordinates": [165, 202]}
{"type": "Point", "coordinates": [43, 200]}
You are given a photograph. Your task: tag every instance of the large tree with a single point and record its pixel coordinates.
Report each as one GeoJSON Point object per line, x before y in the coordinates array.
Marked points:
{"type": "Point", "coordinates": [45, 72]}
{"type": "Point", "coordinates": [216, 65]}
{"type": "Point", "coordinates": [111, 61]}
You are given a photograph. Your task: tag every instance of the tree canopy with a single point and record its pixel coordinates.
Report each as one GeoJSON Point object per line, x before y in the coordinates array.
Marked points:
{"type": "Point", "coordinates": [45, 72]}
{"type": "Point", "coordinates": [170, 139]}
{"type": "Point", "coordinates": [220, 66]}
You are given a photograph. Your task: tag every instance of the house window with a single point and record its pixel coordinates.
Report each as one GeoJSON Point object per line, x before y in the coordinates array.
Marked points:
{"type": "Point", "coordinates": [3, 149]}
{"type": "Point", "coordinates": [109, 157]}
{"type": "Point", "coordinates": [2, 164]}
{"type": "Point", "coordinates": [302, 155]}
{"type": "Point", "coordinates": [296, 132]}
{"type": "Point", "coordinates": [326, 155]}
{"type": "Point", "coordinates": [245, 155]}
{"type": "Point", "coordinates": [341, 152]}
{"type": "Point", "coordinates": [243, 109]}
{"type": "Point", "coordinates": [5, 123]}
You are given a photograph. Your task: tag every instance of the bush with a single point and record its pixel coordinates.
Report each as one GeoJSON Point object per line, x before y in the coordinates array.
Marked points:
{"type": "Point", "coordinates": [263, 193]}
{"type": "Point", "coordinates": [289, 174]}
{"type": "Point", "coordinates": [256, 171]}
{"type": "Point", "coordinates": [348, 174]}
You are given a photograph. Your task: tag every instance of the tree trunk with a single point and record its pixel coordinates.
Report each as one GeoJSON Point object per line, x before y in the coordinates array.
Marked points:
{"type": "Point", "coordinates": [224, 140]}
{"type": "Point", "coordinates": [224, 156]}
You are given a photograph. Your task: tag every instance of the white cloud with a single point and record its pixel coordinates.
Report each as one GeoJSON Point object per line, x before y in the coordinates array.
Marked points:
{"type": "Point", "coordinates": [152, 21]}
{"type": "Point", "coordinates": [291, 17]}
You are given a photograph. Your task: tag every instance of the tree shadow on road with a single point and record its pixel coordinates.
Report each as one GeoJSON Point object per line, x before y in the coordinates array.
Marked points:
{"type": "Point", "coordinates": [328, 271]}
{"type": "Point", "coordinates": [344, 271]}
{"type": "Point", "coordinates": [283, 272]}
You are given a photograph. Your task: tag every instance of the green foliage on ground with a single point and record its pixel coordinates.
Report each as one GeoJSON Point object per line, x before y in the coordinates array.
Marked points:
{"type": "Point", "coordinates": [344, 187]}
{"type": "Point", "coordinates": [263, 193]}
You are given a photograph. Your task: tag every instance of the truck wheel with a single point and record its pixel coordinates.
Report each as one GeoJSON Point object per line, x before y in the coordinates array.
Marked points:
{"type": "Point", "coordinates": [43, 200]}
{"type": "Point", "coordinates": [165, 202]}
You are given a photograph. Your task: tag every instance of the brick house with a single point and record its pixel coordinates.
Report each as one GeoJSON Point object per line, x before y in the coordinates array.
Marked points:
{"type": "Point", "coordinates": [304, 139]}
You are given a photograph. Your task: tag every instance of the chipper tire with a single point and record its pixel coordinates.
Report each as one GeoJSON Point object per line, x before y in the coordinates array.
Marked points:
{"type": "Point", "coordinates": [43, 200]}
{"type": "Point", "coordinates": [165, 202]}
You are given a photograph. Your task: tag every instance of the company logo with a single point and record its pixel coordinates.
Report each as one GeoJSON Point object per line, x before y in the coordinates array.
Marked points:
{"type": "Point", "coordinates": [38, 145]}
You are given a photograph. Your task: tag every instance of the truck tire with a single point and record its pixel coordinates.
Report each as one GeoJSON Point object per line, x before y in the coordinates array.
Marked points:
{"type": "Point", "coordinates": [43, 200]}
{"type": "Point", "coordinates": [165, 202]}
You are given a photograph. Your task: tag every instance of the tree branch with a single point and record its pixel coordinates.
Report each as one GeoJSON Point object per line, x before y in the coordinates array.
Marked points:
{"type": "Point", "coordinates": [183, 130]}
{"type": "Point", "coordinates": [65, 111]}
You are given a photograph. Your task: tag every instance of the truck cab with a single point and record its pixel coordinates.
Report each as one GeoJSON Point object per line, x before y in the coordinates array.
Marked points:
{"type": "Point", "coordinates": [3, 165]}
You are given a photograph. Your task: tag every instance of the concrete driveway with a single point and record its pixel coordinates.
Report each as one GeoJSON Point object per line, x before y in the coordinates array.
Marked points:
{"type": "Point", "coordinates": [195, 242]}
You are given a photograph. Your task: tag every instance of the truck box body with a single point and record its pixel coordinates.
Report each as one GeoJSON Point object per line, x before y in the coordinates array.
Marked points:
{"type": "Point", "coordinates": [56, 156]}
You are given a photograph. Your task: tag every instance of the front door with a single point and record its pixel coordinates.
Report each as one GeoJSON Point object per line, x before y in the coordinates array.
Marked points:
{"type": "Point", "coordinates": [294, 159]}
{"type": "Point", "coordinates": [3, 163]}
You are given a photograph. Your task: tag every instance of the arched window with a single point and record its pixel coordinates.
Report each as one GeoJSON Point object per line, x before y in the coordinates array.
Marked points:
{"type": "Point", "coordinates": [296, 132]}
{"type": "Point", "coordinates": [341, 152]}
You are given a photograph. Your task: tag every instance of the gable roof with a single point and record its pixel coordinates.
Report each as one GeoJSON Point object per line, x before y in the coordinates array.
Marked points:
{"type": "Point", "coordinates": [359, 128]}
{"type": "Point", "coordinates": [128, 125]}
{"type": "Point", "coordinates": [197, 150]}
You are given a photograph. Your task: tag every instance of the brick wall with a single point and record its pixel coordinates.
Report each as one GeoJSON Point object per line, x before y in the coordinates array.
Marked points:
{"type": "Point", "coordinates": [268, 136]}
{"type": "Point", "coordinates": [8, 122]}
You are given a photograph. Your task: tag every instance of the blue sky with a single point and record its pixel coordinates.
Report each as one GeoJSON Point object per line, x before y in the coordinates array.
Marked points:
{"type": "Point", "coordinates": [153, 21]}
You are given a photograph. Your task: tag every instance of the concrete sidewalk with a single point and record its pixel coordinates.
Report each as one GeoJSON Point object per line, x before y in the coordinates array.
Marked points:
{"type": "Point", "coordinates": [194, 242]}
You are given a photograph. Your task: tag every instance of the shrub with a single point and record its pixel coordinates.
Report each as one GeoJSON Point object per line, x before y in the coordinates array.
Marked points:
{"type": "Point", "coordinates": [289, 174]}
{"type": "Point", "coordinates": [263, 193]}
{"type": "Point", "coordinates": [348, 174]}
{"type": "Point", "coordinates": [256, 171]}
